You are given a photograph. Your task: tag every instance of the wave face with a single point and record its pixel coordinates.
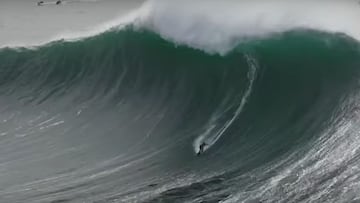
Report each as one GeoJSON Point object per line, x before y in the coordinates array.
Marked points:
{"type": "Point", "coordinates": [119, 117]}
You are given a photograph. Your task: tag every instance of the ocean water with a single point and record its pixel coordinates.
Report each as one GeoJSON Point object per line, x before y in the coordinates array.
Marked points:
{"type": "Point", "coordinates": [117, 113]}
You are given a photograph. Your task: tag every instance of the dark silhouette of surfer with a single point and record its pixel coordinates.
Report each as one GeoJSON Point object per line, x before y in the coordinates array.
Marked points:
{"type": "Point", "coordinates": [201, 148]}
{"type": "Point", "coordinates": [41, 3]}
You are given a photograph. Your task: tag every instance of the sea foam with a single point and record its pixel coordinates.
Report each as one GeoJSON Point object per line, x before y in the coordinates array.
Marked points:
{"type": "Point", "coordinates": [217, 26]}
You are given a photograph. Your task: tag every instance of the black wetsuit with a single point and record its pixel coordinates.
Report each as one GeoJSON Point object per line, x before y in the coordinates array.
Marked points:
{"type": "Point", "coordinates": [201, 148]}
{"type": "Point", "coordinates": [58, 2]}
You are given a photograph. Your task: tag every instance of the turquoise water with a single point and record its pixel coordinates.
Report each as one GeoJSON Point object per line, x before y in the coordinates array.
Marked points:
{"type": "Point", "coordinates": [118, 117]}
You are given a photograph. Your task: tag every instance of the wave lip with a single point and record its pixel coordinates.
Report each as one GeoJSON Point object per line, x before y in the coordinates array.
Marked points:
{"type": "Point", "coordinates": [218, 27]}
{"type": "Point", "coordinates": [205, 25]}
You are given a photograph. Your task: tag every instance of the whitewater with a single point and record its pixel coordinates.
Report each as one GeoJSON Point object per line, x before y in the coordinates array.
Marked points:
{"type": "Point", "coordinates": [115, 109]}
{"type": "Point", "coordinates": [202, 25]}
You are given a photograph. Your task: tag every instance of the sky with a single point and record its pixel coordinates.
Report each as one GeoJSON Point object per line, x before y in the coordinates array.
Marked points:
{"type": "Point", "coordinates": [23, 22]}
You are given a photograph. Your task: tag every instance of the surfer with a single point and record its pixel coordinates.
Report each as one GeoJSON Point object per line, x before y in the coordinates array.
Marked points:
{"type": "Point", "coordinates": [58, 2]}
{"type": "Point", "coordinates": [201, 148]}
{"type": "Point", "coordinates": [40, 3]}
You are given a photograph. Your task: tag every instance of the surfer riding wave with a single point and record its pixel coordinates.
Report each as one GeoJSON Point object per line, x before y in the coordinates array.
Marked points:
{"type": "Point", "coordinates": [201, 149]}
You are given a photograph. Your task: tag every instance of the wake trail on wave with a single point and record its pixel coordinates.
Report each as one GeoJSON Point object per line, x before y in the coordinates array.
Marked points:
{"type": "Point", "coordinates": [209, 137]}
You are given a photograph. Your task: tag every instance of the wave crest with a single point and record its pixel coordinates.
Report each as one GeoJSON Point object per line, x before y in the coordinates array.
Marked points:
{"type": "Point", "coordinates": [219, 26]}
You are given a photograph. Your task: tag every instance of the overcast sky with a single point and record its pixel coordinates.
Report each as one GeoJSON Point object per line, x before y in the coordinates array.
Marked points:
{"type": "Point", "coordinates": [22, 21]}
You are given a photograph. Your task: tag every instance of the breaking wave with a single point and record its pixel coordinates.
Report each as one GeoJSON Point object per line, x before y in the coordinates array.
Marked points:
{"type": "Point", "coordinates": [119, 116]}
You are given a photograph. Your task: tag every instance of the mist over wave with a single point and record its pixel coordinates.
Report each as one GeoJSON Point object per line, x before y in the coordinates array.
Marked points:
{"type": "Point", "coordinates": [119, 116]}
{"type": "Point", "coordinates": [204, 25]}
{"type": "Point", "coordinates": [219, 26]}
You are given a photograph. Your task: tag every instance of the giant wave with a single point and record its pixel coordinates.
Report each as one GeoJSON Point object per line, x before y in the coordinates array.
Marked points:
{"type": "Point", "coordinates": [119, 116]}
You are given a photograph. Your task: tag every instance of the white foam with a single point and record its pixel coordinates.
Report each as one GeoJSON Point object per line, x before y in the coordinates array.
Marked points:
{"type": "Point", "coordinates": [216, 26]}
